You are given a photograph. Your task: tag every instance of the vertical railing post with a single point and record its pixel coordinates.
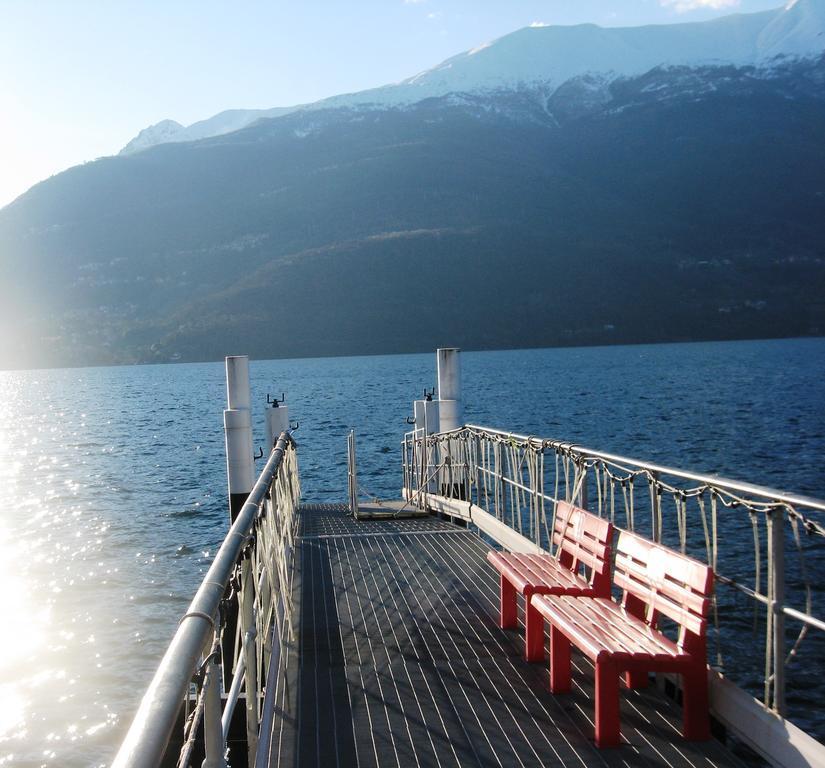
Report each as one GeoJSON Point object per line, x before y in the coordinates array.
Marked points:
{"type": "Point", "coordinates": [404, 472]}
{"type": "Point", "coordinates": [420, 449]}
{"type": "Point", "coordinates": [352, 474]}
{"type": "Point", "coordinates": [655, 509]}
{"type": "Point", "coordinates": [535, 483]}
{"type": "Point", "coordinates": [776, 566]}
{"type": "Point", "coordinates": [214, 745]}
{"type": "Point", "coordinates": [250, 651]}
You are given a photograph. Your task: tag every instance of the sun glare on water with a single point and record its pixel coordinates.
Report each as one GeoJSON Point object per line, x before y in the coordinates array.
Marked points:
{"type": "Point", "coordinates": [22, 637]}
{"type": "Point", "coordinates": [25, 614]}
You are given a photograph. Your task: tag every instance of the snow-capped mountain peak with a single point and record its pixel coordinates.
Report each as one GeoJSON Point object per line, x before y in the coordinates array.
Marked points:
{"type": "Point", "coordinates": [555, 54]}
{"type": "Point", "coordinates": [159, 133]}
{"type": "Point", "coordinates": [230, 120]}
{"type": "Point", "coordinates": [799, 30]}
{"type": "Point", "coordinates": [550, 56]}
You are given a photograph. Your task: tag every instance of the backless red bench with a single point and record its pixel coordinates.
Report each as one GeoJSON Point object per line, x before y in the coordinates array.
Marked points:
{"type": "Point", "coordinates": [623, 637]}
{"type": "Point", "coordinates": [582, 542]}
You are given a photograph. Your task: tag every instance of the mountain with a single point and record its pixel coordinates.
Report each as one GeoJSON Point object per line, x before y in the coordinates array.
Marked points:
{"type": "Point", "coordinates": [549, 56]}
{"type": "Point", "coordinates": [683, 201]}
{"type": "Point", "coordinates": [169, 131]}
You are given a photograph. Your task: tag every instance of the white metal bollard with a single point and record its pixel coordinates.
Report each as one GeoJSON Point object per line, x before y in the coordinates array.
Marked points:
{"type": "Point", "coordinates": [449, 415]}
{"type": "Point", "coordinates": [453, 480]}
{"type": "Point", "coordinates": [449, 388]}
{"type": "Point", "coordinates": [277, 421]}
{"type": "Point", "coordinates": [237, 423]}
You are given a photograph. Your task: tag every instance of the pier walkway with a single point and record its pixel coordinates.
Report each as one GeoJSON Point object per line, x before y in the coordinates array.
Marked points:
{"type": "Point", "coordinates": [398, 661]}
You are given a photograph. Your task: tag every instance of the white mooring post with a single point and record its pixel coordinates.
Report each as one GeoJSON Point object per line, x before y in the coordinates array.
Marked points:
{"type": "Point", "coordinates": [237, 424]}
{"type": "Point", "coordinates": [449, 388]}
{"type": "Point", "coordinates": [453, 480]}
{"type": "Point", "coordinates": [277, 420]}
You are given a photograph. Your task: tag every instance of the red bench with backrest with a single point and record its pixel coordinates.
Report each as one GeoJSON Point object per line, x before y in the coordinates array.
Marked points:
{"type": "Point", "coordinates": [582, 543]}
{"type": "Point", "coordinates": [623, 637]}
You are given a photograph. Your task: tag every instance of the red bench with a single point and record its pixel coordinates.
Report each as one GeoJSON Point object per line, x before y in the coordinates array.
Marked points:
{"type": "Point", "coordinates": [582, 542]}
{"type": "Point", "coordinates": [623, 637]}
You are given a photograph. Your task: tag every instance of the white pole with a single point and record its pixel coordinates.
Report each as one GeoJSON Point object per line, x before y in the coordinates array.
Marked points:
{"type": "Point", "coordinates": [418, 414]}
{"type": "Point", "coordinates": [453, 481]}
{"type": "Point", "coordinates": [449, 388]}
{"type": "Point", "coordinates": [277, 421]}
{"type": "Point", "coordinates": [237, 423]}
{"type": "Point", "coordinates": [237, 382]}
{"type": "Point", "coordinates": [449, 415]}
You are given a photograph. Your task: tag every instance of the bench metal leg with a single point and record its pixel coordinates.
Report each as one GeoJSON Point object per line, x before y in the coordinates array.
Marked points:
{"type": "Point", "coordinates": [509, 612]}
{"type": "Point", "coordinates": [607, 704]}
{"type": "Point", "coordinates": [636, 679]}
{"type": "Point", "coordinates": [559, 662]}
{"type": "Point", "coordinates": [695, 706]}
{"type": "Point", "coordinates": [534, 632]}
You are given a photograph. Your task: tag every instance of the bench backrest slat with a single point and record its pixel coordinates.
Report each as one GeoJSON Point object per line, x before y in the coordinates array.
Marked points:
{"type": "Point", "coordinates": [665, 581]}
{"type": "Point", "coordinates": [583, 539]}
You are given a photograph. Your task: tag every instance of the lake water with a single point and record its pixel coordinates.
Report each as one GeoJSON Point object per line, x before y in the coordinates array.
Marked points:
{"type": "Point", "coordinates": [113, 492]}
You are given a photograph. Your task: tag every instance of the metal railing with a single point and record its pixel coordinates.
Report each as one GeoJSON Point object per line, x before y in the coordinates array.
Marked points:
{"type": "Point", "coordinates": [208, 667]}
{"type": "Point", "coordinates": [763, 544]}
{"type": "Point", "coordinates": [352, 475]}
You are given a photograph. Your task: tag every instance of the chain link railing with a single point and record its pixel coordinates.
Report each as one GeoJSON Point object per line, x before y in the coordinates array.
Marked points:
{"type": "Point", "coordinates": [228, 644]}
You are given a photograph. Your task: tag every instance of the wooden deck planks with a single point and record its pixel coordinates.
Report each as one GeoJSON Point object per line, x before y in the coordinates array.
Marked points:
{"type": "Point", "coordinates": [399, 662]}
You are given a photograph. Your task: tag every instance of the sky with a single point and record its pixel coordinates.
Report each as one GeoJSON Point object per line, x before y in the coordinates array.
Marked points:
{"type": "Point", "coordinates": [80, 78]}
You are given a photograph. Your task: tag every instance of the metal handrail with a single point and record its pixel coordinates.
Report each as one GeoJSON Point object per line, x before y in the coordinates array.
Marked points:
{"type": "Point", "coordinates": [736, 486]}
{"type": "Point", "coordinates": [151, 729]}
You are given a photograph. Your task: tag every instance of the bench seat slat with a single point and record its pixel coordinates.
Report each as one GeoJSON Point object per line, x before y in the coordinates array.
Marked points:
{"type": "Point", "coordinates": [538, 574]}
{"type": "Point", "coordinates": [598, 624]}
{"type": "Point", "coordinates": [619, 632]}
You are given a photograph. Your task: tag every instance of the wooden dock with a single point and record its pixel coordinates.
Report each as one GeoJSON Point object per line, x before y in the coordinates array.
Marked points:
{"type": "Point", "coordinates": [399, 661]}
